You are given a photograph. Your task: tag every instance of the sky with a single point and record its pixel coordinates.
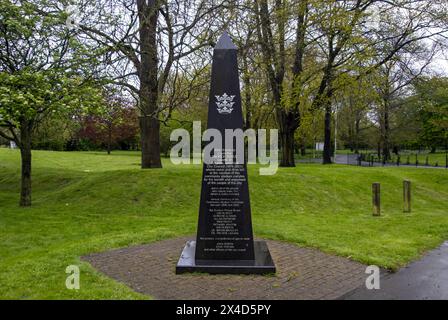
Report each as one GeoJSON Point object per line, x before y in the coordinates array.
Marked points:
{"type": "Point", "coordinates": [440, 66]}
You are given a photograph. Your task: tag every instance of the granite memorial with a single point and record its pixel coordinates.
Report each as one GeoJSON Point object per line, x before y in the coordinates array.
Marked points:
{"type": "Point", "coordinates": [224, 242]}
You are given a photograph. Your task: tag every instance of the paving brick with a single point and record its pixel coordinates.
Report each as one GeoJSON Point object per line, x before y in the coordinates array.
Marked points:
{"type": "Point", "coordinates": [302, 273]}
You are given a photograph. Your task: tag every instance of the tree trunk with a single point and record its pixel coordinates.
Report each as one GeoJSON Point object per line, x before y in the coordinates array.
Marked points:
{"type": "Point", "coordinates": [385, 133]}
{"type": "Point", "coordinates": [109, 138]}
{"type": "Point", "coordinates": [288, 124]}
{"type": "Point", "coordinates": [149, 123]}
{"type": "Point", "coordinates": [150, 134]}
{"type": "Point", "coordinates": [327, 135]}
{"type": "Point", "coordinates": [287, 145]}
{"type": "Point", "coordinates": [357, 129]}
{"type": "Point", "coordinates": [274, 62]}
{"type": "Point", "coordinates": [303, 148]}
{"type": "Point", "coordinates": [25, 152]}
{"type": "Point", "coordinates": [247, 95]}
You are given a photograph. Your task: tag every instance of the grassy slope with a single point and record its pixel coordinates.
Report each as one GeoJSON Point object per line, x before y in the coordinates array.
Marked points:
{"type": "Point", "coordinates": [90, 202]}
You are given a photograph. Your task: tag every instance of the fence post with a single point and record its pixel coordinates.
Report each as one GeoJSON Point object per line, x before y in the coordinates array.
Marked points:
{"type": "Point", "coordinates": [376, 199]}
{"type": "Point", "coordinates": [406, 196]}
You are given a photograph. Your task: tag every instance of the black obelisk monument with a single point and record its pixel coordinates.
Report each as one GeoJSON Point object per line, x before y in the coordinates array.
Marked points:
{"type": "Point", "coordinates": [224, 242]}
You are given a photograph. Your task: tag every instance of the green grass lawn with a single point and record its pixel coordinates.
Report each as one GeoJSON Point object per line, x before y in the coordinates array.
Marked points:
{"type": "Point", "coordinates": [86, 202]}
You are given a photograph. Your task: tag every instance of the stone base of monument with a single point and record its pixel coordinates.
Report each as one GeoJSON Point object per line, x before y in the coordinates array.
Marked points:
{"type": "Point", "coordinates": [262, 264]}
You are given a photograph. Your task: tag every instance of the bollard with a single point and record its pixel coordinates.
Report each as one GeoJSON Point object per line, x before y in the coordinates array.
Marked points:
{"type": "Point", "coordinates": [376, 199]}
{"type": "Point", "coordinates": [398, 161]}
{"type": "Point", "coordinates": [427, 161]}
{"type": "Point", "coordinates": [406, 196]}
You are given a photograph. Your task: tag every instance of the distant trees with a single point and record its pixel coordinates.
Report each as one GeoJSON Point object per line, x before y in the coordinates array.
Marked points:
{"type": "Point", "coordinates": [432, 103]}
{"type": "Point", "coordinates": [115, 126]}
{"type": "Point", "coordinates": [406, 109]}
{"type": "Point", "coordinates": [355, 100]}
{"type": "Point", "coordinates": [310, 48]}
{"type": "Point", "coordinates": [393, 85]}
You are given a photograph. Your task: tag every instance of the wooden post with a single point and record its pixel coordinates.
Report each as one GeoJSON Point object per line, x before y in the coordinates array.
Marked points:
{"type": "Point", "coordinates": [376, 199]}
{"type": "Point", "coordinates": [406, 196]}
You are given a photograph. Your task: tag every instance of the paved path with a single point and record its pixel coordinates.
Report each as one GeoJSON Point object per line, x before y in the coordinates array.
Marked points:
{"type": "Point", "coordinates": [424, 279]}
{"type": "Point", "coordinates": [302, 273]}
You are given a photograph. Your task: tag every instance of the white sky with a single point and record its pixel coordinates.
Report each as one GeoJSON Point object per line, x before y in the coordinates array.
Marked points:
{"type": "Point", "coordinates": [440, 66]}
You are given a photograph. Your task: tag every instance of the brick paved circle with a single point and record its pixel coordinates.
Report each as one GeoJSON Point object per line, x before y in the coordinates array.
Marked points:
{"type": "Point", "coordinates": [302, 273]}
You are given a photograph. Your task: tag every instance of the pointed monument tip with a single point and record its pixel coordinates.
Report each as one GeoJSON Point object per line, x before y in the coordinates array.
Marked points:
{"type": "Point", "coordinates": [225, 42]}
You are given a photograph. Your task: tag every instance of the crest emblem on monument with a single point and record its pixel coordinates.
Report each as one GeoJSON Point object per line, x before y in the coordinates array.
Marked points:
{"type": "Point", "coordinates": [224, 103]}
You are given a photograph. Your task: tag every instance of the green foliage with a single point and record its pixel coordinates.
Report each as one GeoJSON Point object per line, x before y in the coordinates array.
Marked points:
{"type": "Point", "coordinates": [53, 133]}
{"type": "Point", "coordinates": [42, 71]}
{"type": "Point", "coordinates": [432, 99]}
{"type": "Point", "coordinates": [31, 95]}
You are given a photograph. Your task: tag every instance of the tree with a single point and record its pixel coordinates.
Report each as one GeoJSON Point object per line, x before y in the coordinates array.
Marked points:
{"type": "Point", "coordinates": [145, 44]}
{"type": "Point", "coordinates": [114, 125]}
{"type": "Point", "coordinates": [432, 99]}
{"type": "Point", "coordinates": [357, 99]}
{"type": "Point", "coordinates": [272, 32]}
{"type": "Point", "coordinates": [395, 79]}
{"type": "Point", "coordinates": [38, 78]}
{"type": "Point", "coordinates": [28, 97]}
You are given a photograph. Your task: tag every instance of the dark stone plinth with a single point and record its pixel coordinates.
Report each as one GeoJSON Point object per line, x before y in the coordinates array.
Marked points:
{"type": "Point", "coordinates": [262, 264]}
